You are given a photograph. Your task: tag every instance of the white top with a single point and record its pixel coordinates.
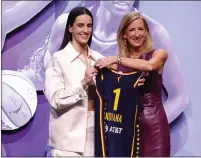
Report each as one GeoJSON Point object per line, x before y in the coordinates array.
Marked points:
{"type": "Point", "coordinates": [64, 91]}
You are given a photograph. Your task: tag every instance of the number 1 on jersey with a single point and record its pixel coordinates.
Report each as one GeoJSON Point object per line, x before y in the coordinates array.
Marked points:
{"type": "Point", "coordinates": [116, 100]}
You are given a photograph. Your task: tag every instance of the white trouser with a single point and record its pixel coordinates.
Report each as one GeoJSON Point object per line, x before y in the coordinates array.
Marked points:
{"type": "Point", "coordinates": [89, 144]}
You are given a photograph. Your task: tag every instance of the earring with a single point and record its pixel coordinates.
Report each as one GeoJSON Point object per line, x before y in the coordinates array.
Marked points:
{"type": "Point", "coordinates": [125, 41]}
{"type": "Point", "coordinates": [145, 38]}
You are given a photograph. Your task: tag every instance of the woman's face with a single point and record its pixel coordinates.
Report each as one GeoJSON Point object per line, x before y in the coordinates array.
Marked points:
{"type": "Point", "coordinates": [135, 33]}
{"type": "Point", "coordinates": [118, 7]}
{"type": "Point", "coordinates": [81, 29]}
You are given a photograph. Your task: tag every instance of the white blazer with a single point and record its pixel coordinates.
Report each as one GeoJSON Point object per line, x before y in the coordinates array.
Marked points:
{"type": "Point", "coordinates": [69, 101]}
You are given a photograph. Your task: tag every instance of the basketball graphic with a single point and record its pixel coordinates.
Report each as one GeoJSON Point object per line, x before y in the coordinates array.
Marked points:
{"type": "Point", "coordinates": [19, 100]}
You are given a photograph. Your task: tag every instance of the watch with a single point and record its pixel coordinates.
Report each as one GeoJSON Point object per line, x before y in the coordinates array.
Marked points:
{"type": "Point", "coordinates": [118, 60]}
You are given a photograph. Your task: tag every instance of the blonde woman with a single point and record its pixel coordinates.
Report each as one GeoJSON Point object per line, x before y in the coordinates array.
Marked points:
{"type": "Point", "coordinates": [136, 51]}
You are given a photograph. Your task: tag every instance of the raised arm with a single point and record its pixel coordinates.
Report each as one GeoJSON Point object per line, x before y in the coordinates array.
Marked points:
{"type": "Point", "coordinates": [154, 64]}
{"type": "Point", "coordinates": [58, 95]}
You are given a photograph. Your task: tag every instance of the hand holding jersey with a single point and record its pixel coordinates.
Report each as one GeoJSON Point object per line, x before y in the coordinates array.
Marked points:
{"type": "Point", "coordinates": [88, 77]}
{"type": "Point", "coordinates": [89, 86]}
{"type": "Point", "coordinates": [111, 62]}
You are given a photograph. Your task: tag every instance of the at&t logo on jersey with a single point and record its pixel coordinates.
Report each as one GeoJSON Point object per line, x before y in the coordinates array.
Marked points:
{"type": "Point", "coordinates": [113, 129]}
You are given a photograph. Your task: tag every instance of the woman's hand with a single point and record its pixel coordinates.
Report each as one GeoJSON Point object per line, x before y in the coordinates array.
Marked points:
{"type": "Point", "coordinates": [106, 61]}
{"type": "Point", "coordinates": [141, 82]}
{"type": "Point", "coordinates": [89, 74]}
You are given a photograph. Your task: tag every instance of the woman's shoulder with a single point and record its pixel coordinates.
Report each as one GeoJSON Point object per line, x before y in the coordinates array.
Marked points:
{"type": "Point", "coordinates": [160, 52]}
{"type": "Point", "coordinates": [58, 53]}
{"type": "Point", "coordinates": [149, 54]}
{"type": "Point", "coordinates": [61, 54]}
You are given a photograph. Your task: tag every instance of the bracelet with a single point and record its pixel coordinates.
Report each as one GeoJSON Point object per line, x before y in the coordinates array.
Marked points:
{"type": "Point", "coordinates": [118, 60]}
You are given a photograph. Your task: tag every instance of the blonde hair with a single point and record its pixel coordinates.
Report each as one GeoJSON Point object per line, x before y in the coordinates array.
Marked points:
{"type": "Point", "coordinates": [125, 22]}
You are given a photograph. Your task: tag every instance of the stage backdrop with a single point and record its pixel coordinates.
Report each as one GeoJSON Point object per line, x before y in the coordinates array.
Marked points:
{"type": "Point", "coordinates": [33, 31]}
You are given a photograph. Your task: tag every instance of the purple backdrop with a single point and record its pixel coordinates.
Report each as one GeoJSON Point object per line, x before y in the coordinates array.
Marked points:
{"type": "Point", "coordinates": [27, 42]}
{"type": "Point", "coordinates": [30, 140]}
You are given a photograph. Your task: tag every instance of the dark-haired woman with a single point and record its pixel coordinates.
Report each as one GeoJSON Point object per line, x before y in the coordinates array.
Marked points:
{"type": "Point", "coordinates": [68, 88]}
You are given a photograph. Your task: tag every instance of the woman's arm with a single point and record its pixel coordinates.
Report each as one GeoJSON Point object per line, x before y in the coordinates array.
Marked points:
{"type": "Point", "coordinates": [154, 64]}
{"type": "Point", "coordinates": [58, 95]}
{"type": "Point", "coordinates": [178, 97]}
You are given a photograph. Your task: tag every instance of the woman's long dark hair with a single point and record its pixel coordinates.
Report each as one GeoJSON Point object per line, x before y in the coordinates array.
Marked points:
{"type": "Point", "coordinates": [74, 13]}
